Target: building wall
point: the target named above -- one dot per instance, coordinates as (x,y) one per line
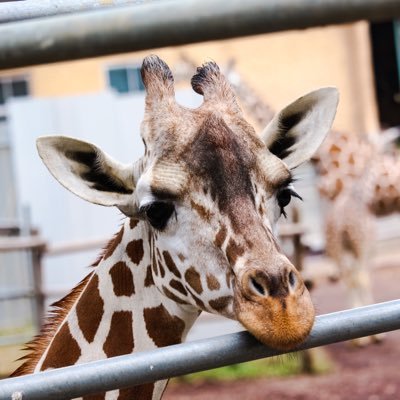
(279,66)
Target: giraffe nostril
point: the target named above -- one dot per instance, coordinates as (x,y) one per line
(257,287)
(292,279)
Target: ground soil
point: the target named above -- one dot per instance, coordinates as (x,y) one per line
(370,373)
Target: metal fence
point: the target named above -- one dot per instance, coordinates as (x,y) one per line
(164,24)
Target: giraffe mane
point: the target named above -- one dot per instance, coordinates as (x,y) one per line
(57,314)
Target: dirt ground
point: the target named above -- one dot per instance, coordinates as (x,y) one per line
(371,373)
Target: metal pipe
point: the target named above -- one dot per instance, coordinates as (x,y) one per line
(170,23)
(28,9)
(130,370)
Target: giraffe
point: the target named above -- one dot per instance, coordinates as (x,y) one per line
(200,207)
(372,190)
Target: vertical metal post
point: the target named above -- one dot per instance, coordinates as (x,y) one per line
(39,298)
(298,249)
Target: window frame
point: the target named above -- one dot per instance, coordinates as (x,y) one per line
(6,82)
(130,80)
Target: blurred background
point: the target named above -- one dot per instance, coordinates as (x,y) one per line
(49,237)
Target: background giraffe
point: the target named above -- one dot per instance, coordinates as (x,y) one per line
(368,188)
(206,185)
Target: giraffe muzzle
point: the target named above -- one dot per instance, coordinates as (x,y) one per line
(275,307)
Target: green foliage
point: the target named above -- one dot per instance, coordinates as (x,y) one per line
(285,365)
(277,366)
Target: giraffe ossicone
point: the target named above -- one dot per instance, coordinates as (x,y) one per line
(201,206)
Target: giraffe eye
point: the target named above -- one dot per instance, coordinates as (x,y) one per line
(158,213)
(284,196)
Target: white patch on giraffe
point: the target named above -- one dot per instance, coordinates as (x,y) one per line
(159,388)
(112,395)
(143,192)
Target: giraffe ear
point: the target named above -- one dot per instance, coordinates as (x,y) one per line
(295,133)
(88,172)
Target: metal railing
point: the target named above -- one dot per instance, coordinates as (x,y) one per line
(171,23)
(150,366)
(29,9)
(37,247)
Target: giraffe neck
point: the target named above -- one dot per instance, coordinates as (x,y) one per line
(120,311)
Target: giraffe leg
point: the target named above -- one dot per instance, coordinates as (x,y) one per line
(358,282)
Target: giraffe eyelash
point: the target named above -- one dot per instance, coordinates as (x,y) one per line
(284,197)
(158,213)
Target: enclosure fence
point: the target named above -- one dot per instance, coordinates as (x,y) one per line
(159,24)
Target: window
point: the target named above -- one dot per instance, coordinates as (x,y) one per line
(13,87)
(385,40)
(125,79)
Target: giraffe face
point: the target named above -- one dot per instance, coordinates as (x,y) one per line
(211,191)
(214,235)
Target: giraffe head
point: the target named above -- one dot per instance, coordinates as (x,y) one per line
(209,191)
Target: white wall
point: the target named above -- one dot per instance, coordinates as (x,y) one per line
(109,120)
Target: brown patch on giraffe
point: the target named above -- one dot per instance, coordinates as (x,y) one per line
(181,257)
(142,392)
(221,236)
(198,301)
(192,277)
(334,149)
(201,211)
(178,286)
(220,303)
(97,396)
(338,185)
(135,251)
(59,311)
(172,296)
(335,163)
(148,281)
(89,309)
(212,282)
(162,327)
(133,223)
(222,160)
(233,251)
(122,279)
(169,262)
(113,244)
(161,268)
(64,350)
(154,262)
(120,337)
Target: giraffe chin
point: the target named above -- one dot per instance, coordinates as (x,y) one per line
(279,323)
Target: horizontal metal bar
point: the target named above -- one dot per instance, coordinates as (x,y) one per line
(130,370)
(63,248)
(16,339)
(22,243)
(28,9)
(16,294)
(171,23)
